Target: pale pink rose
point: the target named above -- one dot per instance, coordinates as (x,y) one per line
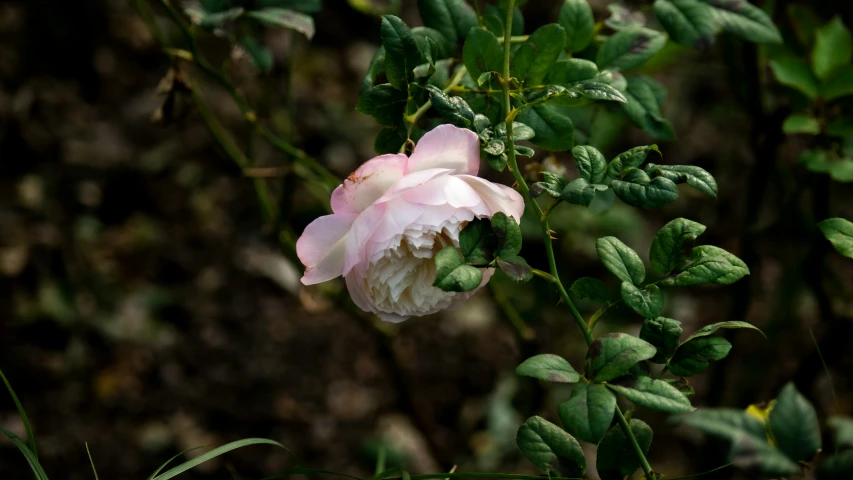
(393,214)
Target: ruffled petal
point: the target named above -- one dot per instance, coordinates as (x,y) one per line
(498,198)
(413,180)
(447,146)
(367,184)
(321,247)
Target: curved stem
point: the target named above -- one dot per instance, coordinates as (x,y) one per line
(512,162)
(413,118)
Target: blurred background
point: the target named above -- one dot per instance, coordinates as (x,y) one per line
(146,306)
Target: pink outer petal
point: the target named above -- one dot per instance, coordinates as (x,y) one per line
(413,180)
(499,198)
(447,146)
(444,190)
(362,230)
(364,186)
(322,246)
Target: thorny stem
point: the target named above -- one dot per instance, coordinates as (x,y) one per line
(546,229)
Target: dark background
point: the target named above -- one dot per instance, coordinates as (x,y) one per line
(146,307)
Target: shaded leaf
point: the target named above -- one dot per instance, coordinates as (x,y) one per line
(508,234)
(709,264)
(552,124)
(653,394)
(629,48)
(758,457)
(795,73)
(402,53)
(516,267)
(550,448)
(453,18)
(389,140)
(591,288)
(643,107)
(839,232)
(647,302)
(639,190)
(548,367)
(477,242)
(724,423)
(836,467)
(801,123)
(694,176)
(688,22)
(613,354)
(572,70)
(695,356)
(833,48)
(714,327)
(454,109)
(282,17)
(482,53)
(664,333)
(534,58)
(616,458)
(621,260)
(577,20)
(843,427)
(793,421)
(589,413)
(599,91)
(839,84)
(384,103)
(744,20)
(451,273)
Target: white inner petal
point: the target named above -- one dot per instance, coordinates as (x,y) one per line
(399,278)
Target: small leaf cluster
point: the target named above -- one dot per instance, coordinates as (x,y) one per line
(617,364)
(243,20)
(823,74)
(651,186)
(483,243)
(781,439)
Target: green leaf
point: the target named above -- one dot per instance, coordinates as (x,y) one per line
(694,176)
(589,413)
(477,242)
(639,190)
(453,18)
(795,73)
(534,58)
(591,163)
(833,48)
(579,192)
(552,124)
(577,20)
(842,170)
(376,67)
(836,467)
(282,17)
(304,6)
(629,48)
(744,20)
(664,333)
(446,47)
(613,354)
(616,457)
(384,103)
(645,99)
(591,288)
(839,232)
(647,302)
(402,53)
(482,53)
(756,456)
(622,17)
(714,327)
(454,109)
(572,70)
(668,250)
(653,394)
(550,448)
(516,267)
(695,356)
(709,264)
(725,423)
(801,123)
(495,147)
(261,57)
(599,91)
(508,235)
(520,131)
(621,260)
(389,140)
(843,427)
(216,452)
(629,158)
(793,421)
(31,458)
(688,22)
(548,367)
(554,184)
(839,84)
(451,273)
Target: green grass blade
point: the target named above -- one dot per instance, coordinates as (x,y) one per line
(91,462)
(28,454)
(174,472)
(23,414)
(173,459)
